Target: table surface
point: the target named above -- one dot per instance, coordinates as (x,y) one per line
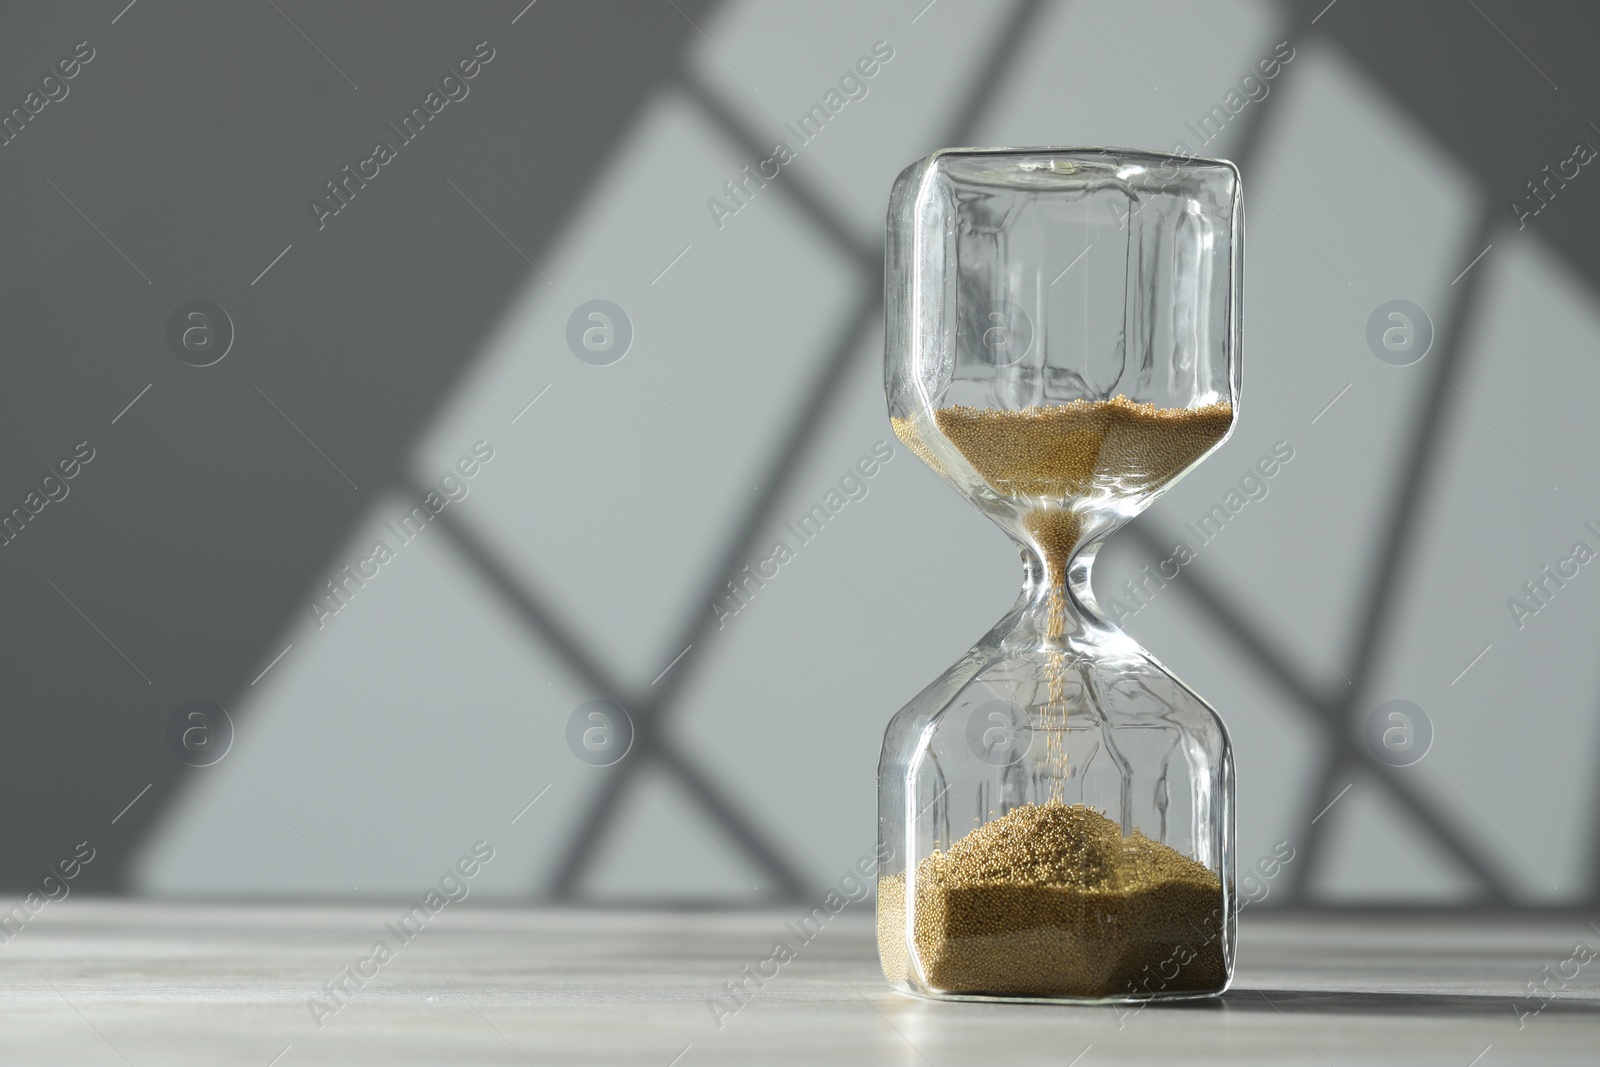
(101,982)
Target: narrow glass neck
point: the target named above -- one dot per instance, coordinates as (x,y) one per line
(1058,601)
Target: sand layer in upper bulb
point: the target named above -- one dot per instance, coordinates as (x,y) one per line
(1067,450)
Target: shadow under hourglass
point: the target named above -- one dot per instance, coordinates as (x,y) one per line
(1409,1003)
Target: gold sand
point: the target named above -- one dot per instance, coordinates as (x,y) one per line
(1067,450)
(1052,900)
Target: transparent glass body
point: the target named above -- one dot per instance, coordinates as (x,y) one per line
(1061,346)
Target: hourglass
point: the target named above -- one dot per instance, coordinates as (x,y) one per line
(1061,346)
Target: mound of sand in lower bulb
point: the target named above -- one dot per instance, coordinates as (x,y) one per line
(1052,900)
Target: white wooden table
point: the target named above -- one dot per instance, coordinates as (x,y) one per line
(92,982)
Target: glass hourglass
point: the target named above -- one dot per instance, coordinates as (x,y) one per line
(1061,346)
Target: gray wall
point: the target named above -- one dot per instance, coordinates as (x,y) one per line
(364,750)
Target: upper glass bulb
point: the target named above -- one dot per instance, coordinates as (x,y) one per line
(1061,324)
